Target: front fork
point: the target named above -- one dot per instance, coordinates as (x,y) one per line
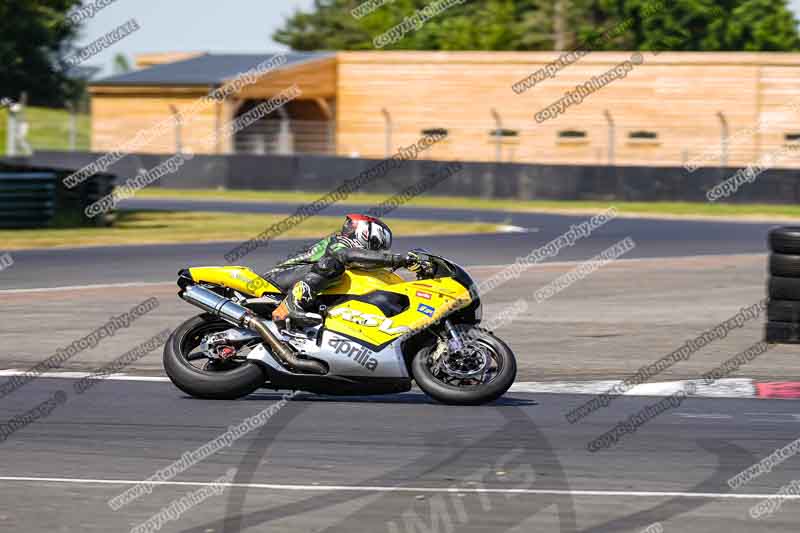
(455,343)
(450,341)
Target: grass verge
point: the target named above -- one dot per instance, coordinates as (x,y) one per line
(49,129)
(677,209)
(159,227)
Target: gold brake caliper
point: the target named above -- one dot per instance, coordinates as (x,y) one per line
(436,355)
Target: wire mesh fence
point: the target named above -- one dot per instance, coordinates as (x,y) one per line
(287,137)
(592,139)
(25,129)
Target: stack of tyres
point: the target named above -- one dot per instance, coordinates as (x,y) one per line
(783,309)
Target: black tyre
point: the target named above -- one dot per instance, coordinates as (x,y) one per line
(784,288)
(506,372)
(212,384)
(785,239)
(784,265)
(782,333)
(783,311)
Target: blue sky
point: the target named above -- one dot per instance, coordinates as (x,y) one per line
(182,25)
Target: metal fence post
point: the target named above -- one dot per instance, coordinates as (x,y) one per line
(11,131)
(331,138)
(23,126)
(612,139)
(285,141)
(73,126)
(388,131)
(178,129)
(724,140)
(498,136)
(611,136)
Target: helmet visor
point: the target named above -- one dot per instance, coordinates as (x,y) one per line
(380,238)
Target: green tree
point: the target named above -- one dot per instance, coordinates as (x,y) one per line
(761,25)
(328,26)
(34,36)
(703,25)
(120,64)
(474,25)
(706,25)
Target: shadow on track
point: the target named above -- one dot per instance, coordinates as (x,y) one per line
(445,453)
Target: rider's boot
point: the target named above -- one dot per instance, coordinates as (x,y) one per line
(296,307)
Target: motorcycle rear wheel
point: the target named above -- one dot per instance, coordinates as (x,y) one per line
(469,394)
(203,383)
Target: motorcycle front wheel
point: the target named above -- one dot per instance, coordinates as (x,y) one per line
(195,374)
(445,381)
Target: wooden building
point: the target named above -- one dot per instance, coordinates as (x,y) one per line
(670,109)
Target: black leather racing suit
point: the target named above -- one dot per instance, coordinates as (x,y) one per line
(314,269)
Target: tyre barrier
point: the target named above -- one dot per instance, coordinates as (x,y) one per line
(36,197)
(783,286)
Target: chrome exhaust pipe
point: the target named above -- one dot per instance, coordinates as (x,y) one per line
(211,302)
(239,316)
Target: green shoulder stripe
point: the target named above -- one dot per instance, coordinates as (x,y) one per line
(319,249)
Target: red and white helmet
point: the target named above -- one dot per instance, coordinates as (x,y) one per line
(368,232)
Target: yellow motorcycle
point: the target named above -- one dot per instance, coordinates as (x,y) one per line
(377,333)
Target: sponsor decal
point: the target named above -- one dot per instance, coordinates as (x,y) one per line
(356,352)
(235,274)
(423,294)
(426,310)
(384,325)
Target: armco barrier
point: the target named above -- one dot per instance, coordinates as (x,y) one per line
(487,180)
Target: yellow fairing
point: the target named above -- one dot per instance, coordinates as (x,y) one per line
(240,279)
(364,321)
(359,282)
(429,300)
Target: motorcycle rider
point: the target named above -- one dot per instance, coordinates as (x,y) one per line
(362,243)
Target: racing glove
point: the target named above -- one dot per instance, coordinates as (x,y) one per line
(416,264)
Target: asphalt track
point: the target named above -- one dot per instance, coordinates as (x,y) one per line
(397,463)
(654,238)
(379,464)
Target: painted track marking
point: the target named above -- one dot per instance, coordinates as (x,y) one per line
(378,488)
(729,388)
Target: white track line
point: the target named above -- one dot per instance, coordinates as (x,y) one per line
(510,228)
(723,388)
(378,488)
(80,375)
(87,287)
